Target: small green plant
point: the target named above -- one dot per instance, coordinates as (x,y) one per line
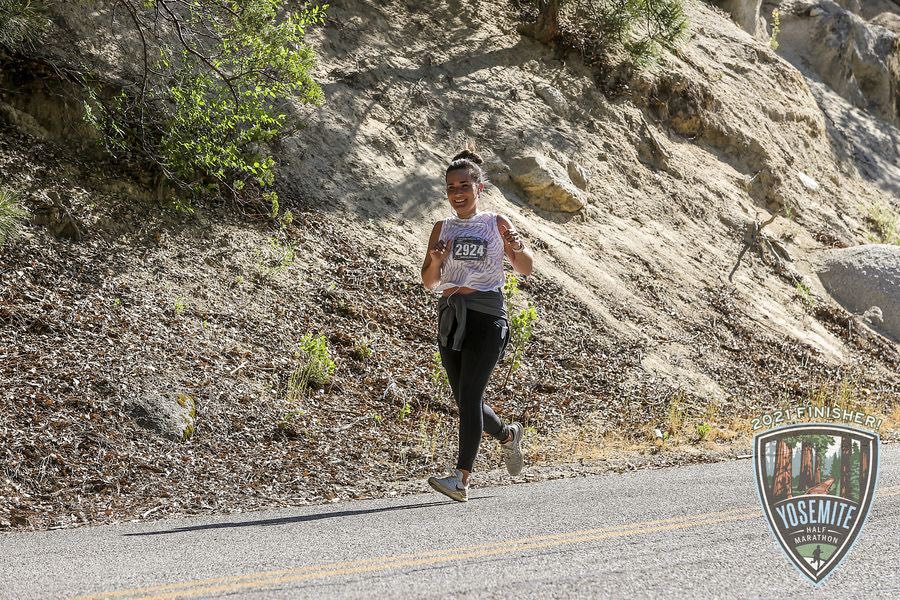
(776,27)
(315,367)
(521,324)
(787,209)
(12,214)
(703,430)
(362,350)
(885,223)
(189,417)
(674,415)
(404,411)
(805,294)
(180,305)
(378,418)
(117,303)
(276,257)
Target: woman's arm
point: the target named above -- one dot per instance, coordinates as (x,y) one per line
(434,257)
(519,255)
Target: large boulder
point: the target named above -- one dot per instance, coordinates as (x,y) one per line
(856,59)
(862,277)
(546,184)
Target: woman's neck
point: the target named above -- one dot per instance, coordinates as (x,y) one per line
(474,212)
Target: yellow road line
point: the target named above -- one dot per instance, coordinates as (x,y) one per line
(411,559)
(189,589)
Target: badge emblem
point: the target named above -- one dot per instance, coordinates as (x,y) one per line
(816,482)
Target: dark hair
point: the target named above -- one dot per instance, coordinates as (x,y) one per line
(469,160)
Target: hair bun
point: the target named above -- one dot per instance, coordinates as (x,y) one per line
(469,155)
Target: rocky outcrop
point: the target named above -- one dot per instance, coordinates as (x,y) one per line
(861,62)
(746,13)
(546,184)
(863,277)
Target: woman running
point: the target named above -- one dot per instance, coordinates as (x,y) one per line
(464,263)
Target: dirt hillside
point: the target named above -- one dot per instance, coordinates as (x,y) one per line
(145,353)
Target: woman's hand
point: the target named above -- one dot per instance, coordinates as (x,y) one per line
(441,250)
(512,240)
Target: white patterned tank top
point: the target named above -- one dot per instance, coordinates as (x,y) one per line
(476,259)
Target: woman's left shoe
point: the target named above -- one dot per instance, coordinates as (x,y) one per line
(451,486)
(512,450)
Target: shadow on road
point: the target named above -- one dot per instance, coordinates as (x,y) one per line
(299,519)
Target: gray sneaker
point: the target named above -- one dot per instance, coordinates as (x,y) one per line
(512,450)
(451,486)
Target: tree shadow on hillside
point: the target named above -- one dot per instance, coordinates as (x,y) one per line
(351,98)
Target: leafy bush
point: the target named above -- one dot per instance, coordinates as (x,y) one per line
(11,214)
(315,365)
(521,322)
(213,88)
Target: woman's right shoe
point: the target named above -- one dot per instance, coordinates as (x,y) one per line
(512,450)
(451,486)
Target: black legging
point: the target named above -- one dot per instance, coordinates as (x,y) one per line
(469,370)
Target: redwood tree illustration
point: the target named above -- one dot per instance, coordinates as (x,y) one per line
(784,454)
(846,450)
(820,445)
(863,467)
(807,479)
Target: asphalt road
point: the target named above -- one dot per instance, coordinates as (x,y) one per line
(686,532)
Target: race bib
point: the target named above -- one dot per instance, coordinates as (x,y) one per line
(469,248)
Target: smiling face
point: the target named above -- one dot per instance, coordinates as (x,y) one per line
(462,192)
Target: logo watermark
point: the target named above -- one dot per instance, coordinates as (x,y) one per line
(816,482)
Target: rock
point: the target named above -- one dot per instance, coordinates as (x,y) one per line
(807,181)
(171,417)
(22,121)
(546,184)
(554,99)
(863,277)
(859,61)
(746,13)
(890,21)
(578,175)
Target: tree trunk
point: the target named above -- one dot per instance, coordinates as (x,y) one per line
(806,466)
(781,486)
(846,452)
(547,27)
(817,475)
(863,467)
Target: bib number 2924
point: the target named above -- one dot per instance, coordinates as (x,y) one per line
(467,248)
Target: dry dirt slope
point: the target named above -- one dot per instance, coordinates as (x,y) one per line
(714,138)
(638,328)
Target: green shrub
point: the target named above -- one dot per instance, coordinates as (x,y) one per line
(703,430)
(210,98)
(521,322)
(776,27)
(314,366)
(12,214)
